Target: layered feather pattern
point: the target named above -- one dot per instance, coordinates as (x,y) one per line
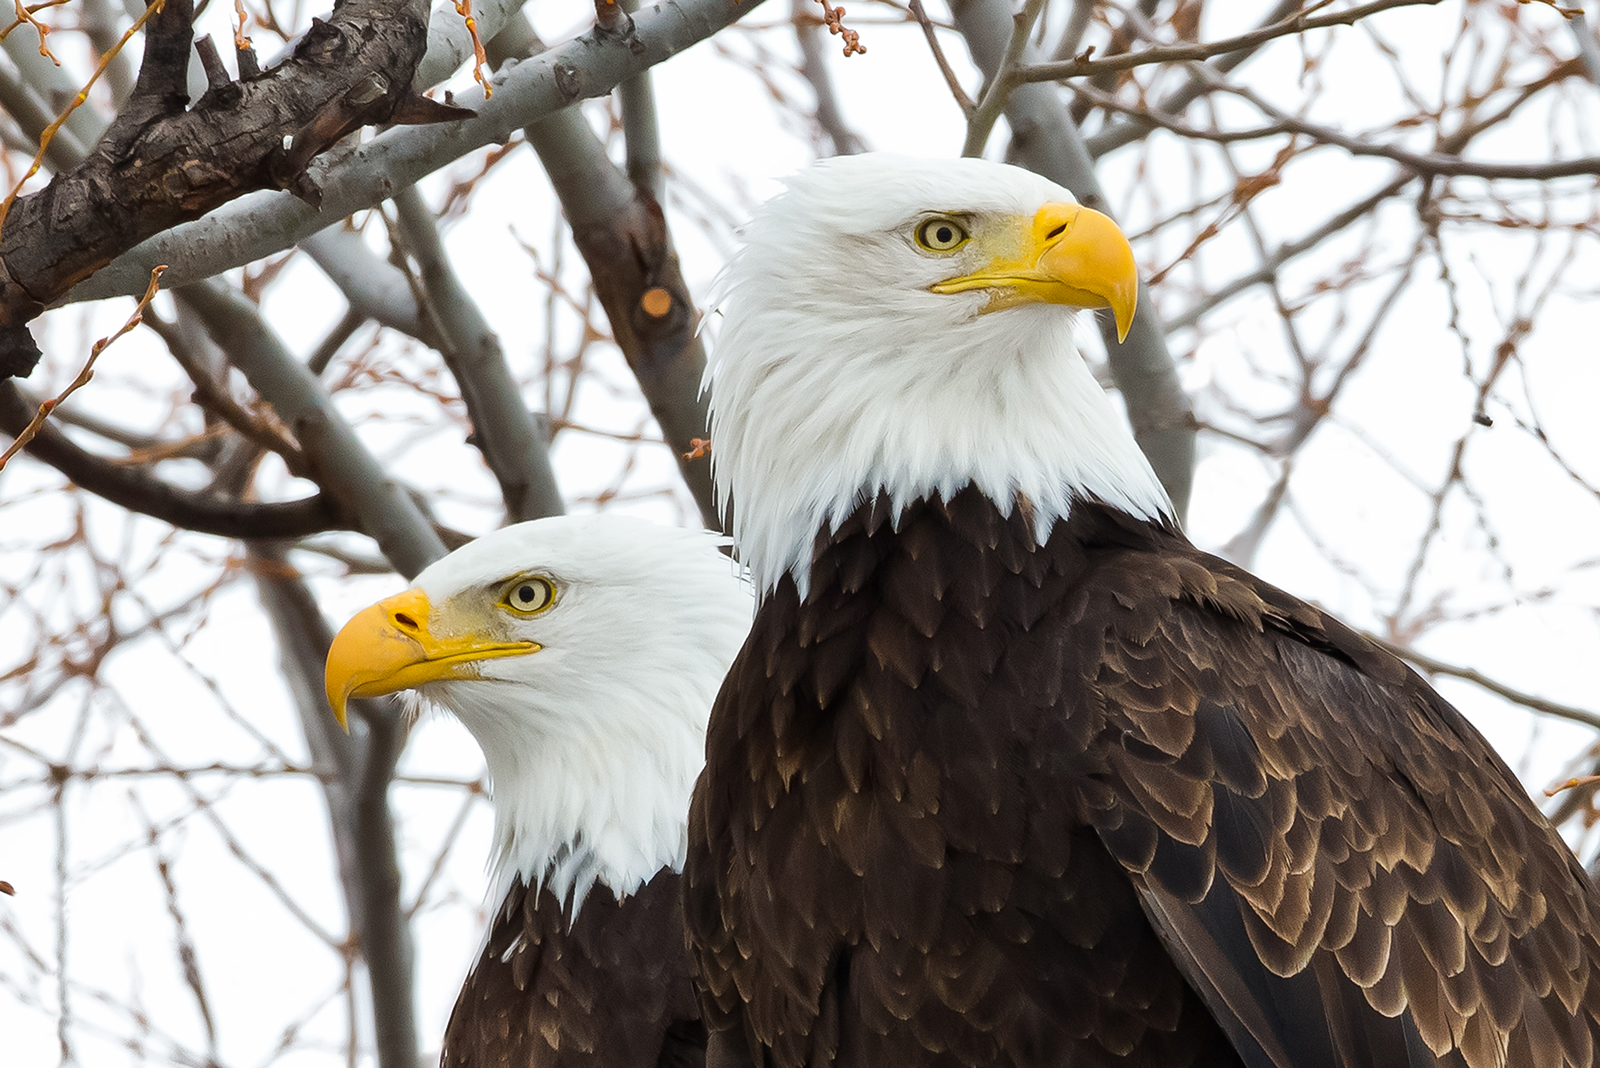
(609,990)
(1109,800)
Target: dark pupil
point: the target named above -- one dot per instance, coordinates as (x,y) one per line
(525,594)
(943,235)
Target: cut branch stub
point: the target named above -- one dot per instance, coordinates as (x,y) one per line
(160,164)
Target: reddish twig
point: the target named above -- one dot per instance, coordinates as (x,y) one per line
(833,18)
(88,370)
(480,58)
(25,15)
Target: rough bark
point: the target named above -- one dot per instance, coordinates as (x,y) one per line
(162,163)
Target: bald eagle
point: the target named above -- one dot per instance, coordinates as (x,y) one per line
(583,654)
(1009,772)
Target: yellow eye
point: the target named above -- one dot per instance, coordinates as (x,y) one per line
(941,234)
(529,595)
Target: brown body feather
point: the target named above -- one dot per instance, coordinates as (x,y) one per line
(611,989)
(1111,800)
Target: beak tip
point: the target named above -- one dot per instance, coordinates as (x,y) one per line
(1123,326)
(338,698)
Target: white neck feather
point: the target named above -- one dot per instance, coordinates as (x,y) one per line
(599,798)
(812,416)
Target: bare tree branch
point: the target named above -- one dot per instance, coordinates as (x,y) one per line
(375,289)
(814,66)
(356,792)
(963,101)
(449,41)
(515,448)
(1117,134)
(138,491)
(1588,48)
(260,224)
(981,120)
(1295,26)
(641,133)
(21,101)
(1045,139)
(338,460)
(160,163)
(1538,704)
(623,237)
(52,85)
(1427,164)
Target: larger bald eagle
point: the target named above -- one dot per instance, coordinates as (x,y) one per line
(583,654)
(1008,772)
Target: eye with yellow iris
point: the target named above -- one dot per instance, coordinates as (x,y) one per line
(941,234)
(529,596)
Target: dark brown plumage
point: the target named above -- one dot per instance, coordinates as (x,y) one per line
(609,990)
(1111,800)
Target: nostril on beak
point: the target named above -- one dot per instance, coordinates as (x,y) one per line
(1057,232)
(405,622)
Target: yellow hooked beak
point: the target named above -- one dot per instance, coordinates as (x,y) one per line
(1066,254)
(389,647)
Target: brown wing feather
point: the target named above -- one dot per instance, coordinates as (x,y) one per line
(1324,821)
(886,867)
(1110,800)
(609,990)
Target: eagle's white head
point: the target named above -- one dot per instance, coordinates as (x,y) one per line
(905,327)
(583,653)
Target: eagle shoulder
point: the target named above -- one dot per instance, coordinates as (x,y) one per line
(1336,858)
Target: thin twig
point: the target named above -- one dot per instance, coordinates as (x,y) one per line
(87,373)
(1291,27)
(981,120)
(479,59)
(962,99)
(25,13)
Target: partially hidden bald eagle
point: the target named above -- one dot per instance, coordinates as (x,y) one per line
(1010,773)
(583,654)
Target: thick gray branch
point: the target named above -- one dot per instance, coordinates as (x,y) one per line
(623,238)
(1045,139)
(513,445)
(640,129)
(377,290)
(449,43)
(260,224)
(341,465)
(355,771)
